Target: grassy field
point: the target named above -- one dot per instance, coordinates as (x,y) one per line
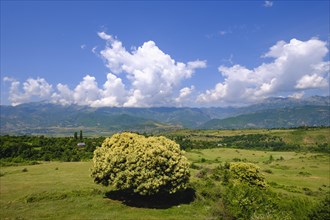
(59,190)
(64,190)
(303,136)
(291,171)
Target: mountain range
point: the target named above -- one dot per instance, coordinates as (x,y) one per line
(47,118)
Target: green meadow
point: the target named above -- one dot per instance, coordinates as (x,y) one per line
(301,136)
(65,190)
(300,171)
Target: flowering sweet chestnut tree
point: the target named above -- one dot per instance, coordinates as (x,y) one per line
(146,166)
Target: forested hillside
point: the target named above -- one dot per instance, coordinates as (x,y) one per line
(51,119)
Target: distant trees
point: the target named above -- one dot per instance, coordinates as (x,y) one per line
(245,141)
(18,148)
(141,165)
(80,135)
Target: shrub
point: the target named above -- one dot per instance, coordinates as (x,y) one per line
(194,166)
(243,200)
(268,171)
(247,173)
(322,210)
(141,165)
(304,173)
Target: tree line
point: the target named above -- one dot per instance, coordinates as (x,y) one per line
(244,141)
(17,148)
(47,148)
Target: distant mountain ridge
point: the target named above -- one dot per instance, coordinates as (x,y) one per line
(275,118)
(41,117)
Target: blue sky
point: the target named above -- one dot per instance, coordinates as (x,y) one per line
(176,53)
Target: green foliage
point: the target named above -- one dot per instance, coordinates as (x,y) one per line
(243,201)
(258,139)
(247,173)
(20,149)
(141,165)
(304,173)
(229,198)
(268,171)
(244,141)
(322,210)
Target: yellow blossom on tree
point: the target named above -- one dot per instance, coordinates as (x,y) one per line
(129,161)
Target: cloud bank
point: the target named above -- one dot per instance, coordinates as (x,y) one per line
(146,77)
(31,88)
(153,79)
(297,66)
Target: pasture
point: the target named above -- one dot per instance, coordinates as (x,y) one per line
(65,190)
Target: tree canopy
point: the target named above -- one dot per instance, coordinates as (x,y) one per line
(146,166)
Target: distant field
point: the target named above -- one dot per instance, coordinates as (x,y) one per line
(302,136)
(64,190)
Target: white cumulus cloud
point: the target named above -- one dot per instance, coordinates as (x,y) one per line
(112,94)
(31,88)
(152,78)
(153,75)
(297,65)
(311,82)
(87,92)
(64,95)
(297,95)
(145,76)
(185,95)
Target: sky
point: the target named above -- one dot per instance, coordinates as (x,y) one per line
(163,53)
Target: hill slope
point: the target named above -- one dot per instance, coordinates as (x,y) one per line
(43,118)
(46,118)
(275,118)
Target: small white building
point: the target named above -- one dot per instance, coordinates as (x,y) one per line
(81,144)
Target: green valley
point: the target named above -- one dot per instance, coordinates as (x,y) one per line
(297,180)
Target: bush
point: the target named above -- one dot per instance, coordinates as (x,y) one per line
(322,210)
(304,174)
(268,171)
(247,173)
(141,165)
(243,201)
